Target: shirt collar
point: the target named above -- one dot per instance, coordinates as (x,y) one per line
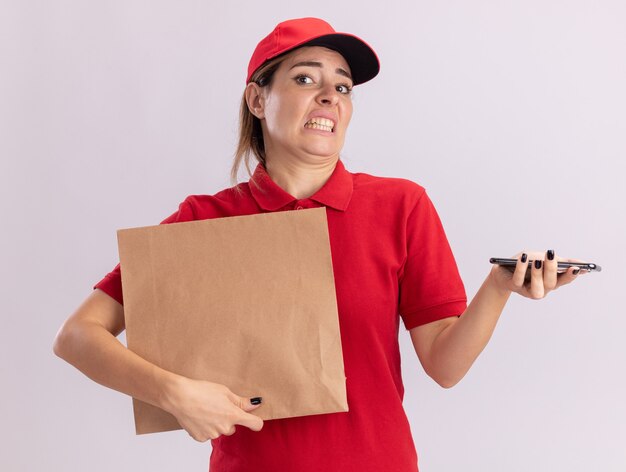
(335,193)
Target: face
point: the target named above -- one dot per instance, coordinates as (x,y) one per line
(306,109)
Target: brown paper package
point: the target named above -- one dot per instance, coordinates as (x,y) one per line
(245,301)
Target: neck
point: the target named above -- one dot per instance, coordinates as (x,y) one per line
(299,179)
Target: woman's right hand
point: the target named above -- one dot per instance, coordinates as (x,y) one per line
(87,340)
(207,410)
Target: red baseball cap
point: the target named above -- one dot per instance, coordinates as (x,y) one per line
(292,34)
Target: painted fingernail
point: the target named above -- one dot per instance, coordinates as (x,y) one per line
(576,271)
(256,400)
(524,257)
(550,254)
(538,264)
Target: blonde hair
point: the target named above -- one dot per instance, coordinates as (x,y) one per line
(250,141)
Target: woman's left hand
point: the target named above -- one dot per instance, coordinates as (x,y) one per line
(543,279)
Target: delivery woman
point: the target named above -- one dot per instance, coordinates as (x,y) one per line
(391,261)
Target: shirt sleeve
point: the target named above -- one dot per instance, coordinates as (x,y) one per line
(111,284)
(430,285)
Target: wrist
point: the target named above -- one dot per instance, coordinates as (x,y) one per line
(171,384)
(495,283)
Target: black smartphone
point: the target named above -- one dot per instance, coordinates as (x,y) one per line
(561,266)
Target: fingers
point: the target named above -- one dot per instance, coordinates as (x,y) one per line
(550,266)
(209,410)
(249,404)
(569,276)
(536,290)
(543,276)
(582,271)
(519,275)
(250,421)
(235,415)
(245,405)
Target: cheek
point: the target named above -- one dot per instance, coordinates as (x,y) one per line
(278,114)
(347,114)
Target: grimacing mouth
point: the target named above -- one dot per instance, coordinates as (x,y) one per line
(320,123)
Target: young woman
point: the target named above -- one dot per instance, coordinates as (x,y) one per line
(391,262)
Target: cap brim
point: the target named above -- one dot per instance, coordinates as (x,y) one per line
(361,58)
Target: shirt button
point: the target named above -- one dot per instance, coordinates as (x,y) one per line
(299,207)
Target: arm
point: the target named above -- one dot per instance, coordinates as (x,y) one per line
(87,340)
(447,348)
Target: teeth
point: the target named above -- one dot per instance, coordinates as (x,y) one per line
(320,123)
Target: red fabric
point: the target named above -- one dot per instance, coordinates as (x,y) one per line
(291,34)
(391,261)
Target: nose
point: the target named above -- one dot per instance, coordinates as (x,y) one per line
(328,95)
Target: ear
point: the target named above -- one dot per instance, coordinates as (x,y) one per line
(255,98)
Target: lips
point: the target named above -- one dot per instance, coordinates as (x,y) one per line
(318,122)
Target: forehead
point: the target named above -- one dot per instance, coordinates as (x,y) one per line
(327,57)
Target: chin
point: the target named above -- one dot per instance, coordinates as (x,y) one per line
(323,153)
(323,150)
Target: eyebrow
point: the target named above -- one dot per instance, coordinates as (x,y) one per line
(338,70)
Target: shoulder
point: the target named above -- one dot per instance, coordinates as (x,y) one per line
(227,202)
(394,189)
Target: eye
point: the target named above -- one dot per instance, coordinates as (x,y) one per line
(303,79)
(344,89)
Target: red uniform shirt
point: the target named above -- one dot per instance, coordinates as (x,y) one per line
(391,260)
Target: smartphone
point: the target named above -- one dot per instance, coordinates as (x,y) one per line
(561,266)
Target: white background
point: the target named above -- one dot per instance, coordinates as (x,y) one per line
(510,113)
